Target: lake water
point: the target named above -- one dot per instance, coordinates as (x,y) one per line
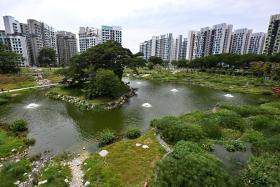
(58,126)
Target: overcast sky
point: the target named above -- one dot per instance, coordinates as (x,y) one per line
(141,19)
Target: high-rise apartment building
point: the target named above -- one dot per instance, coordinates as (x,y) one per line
(272,43)
(66,46)
(89,37)
(15,39)
(179,48)
(111,33)
(12,26)
(40,36)
(240,41)
(160,46)
(220,38)
(204,39)
(256,43)
(193,38)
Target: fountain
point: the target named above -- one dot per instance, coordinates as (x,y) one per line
(32,105)
(147,105)
(228,95)
(174,90)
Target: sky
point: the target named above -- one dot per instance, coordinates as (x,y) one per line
(142,19)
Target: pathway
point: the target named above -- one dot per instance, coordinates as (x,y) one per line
(27,88)
(166,147)
(76,169)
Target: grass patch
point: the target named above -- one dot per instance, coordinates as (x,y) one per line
(14,81)
(14,171)
(8,143)
(52,74)
(130,165)
(55,173)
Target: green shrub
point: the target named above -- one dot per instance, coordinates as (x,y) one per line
(260,122)
(105,84)
(229,119)
(18,125)
(189,166)
(234,145)
(229,134)
(30,141)
(133,133)
(252,136)
(271,145)
(182,148)
(106,137)
(263,171)
(213,131)
(3,100)
(174,129)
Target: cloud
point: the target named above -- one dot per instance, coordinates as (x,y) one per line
(142,19)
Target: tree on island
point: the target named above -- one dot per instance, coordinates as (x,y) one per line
(47,57)
(89,69)
(8,60)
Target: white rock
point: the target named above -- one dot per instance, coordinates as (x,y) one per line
(103,153)
(138,144)
(146,105)
(84,148)
(87,183)
(174,90)
(42,182)
(17,160)
(66,180)
(145,146)
(228,95)
(85,164)
(14,150)
(17,182)
(1,165)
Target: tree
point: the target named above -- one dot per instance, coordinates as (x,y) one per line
(155,60)
(105,84)
(47,57)
(109,55)
(8,60)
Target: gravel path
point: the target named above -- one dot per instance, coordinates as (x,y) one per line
(76,169)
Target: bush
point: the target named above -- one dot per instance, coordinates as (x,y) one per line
(174,129)
(235,145)
(182,148)
(189,165)
(252,136)
(229,119)
(133,133)
(18,125)
(271,145)
(263,171)
(106,137)
(260,122)
(3,100)
(213,131)
(105,84)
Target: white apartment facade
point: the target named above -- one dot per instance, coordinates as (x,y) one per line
(240,41)
(111,33)
(272,42)
(89,37)
(256,43)
(15,39)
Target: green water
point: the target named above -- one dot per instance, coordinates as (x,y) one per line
(59,126)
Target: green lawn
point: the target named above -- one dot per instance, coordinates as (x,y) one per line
(126,164)
(52,74)
(20,80)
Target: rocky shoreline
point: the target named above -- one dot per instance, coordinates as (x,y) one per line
(83,104)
